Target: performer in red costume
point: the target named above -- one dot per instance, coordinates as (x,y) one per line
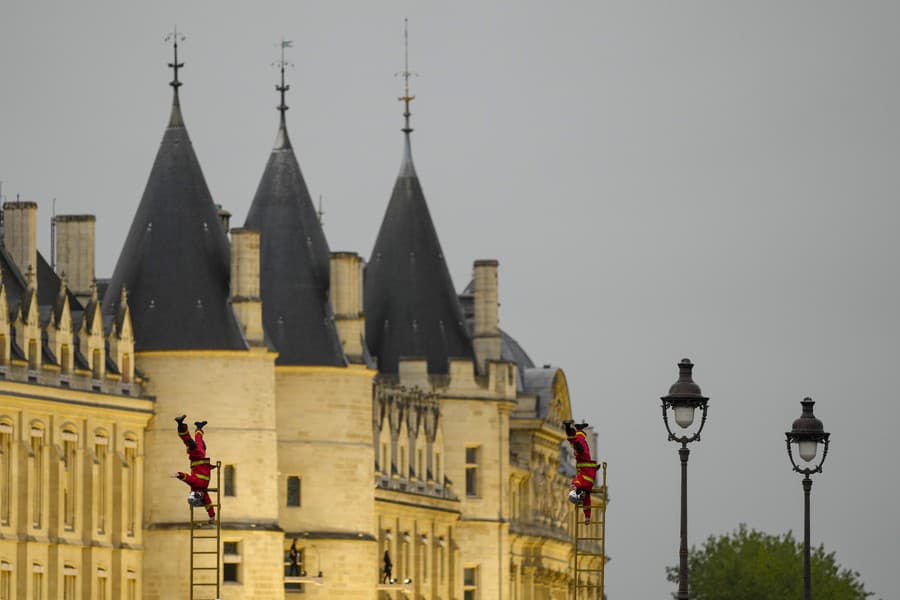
(583,483)
(198,478)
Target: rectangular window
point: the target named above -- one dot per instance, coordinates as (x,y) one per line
(70,483)
(470,583)
(6,479)
(32,355)
(64,359)
(293,491)
(97,364)
(420,469)
(472,456)
(437,468)
(228,486)
(384,459)
(404,472)
(37,477)
(231,562)
(101,587)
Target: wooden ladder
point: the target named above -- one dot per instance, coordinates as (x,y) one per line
(590,544)
(202,550)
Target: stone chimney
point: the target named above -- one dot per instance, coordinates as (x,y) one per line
(75,252)
(346,301)
(224,218)
(245,283)
(486,332)
(20,233)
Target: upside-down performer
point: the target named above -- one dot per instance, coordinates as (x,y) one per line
(583,483)
(198,478)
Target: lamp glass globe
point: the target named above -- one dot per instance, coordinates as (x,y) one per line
(684,416)
(807,449)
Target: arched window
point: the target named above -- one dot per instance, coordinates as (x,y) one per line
(37,581)
(102,584)
(132,585)
(5,581)
(3,357)
(70,574)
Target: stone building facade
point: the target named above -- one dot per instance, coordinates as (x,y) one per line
(362,408)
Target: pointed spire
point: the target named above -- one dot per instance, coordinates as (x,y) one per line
(406,166)
(294,267)
(282,141)
(175,118)
(123,299)
(63,284)
(94,296)
(411,305)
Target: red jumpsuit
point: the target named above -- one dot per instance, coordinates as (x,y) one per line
(198,478)
(587,469)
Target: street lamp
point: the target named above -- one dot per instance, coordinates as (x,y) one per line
(807,432)
(684,399)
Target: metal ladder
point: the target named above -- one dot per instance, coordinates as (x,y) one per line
(201,538)
(592,535)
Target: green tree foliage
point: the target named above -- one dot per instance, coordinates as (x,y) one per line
(751,565)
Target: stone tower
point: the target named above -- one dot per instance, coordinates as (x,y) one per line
(323,399)
(442,420)
(191,348)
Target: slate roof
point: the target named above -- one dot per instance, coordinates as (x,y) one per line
(13,281)
(411,306)
(48,287)
(510,349)
(540,383)
(175,261)
(294,263)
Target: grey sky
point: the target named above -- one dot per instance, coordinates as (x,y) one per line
(715,180)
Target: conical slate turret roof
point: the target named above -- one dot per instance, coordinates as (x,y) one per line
(175,261)
(411,307)
(294,263)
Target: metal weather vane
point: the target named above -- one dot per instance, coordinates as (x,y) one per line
(282,63)
(176,37)
(406,98)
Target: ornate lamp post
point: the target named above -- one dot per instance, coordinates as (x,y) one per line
(807,432)
(684,398)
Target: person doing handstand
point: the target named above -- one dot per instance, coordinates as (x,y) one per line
(198,478)
(583,483)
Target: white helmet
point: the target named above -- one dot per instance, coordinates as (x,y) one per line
(576,497)
(195,499)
